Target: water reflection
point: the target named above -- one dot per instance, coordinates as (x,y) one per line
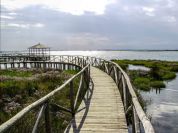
(163,107)
(168,123)
(157,55)
(134,67)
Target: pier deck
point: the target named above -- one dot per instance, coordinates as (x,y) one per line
(102,110)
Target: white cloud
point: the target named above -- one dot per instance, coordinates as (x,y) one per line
(87,40)
(75,7)
(12,13)
(25,26)
(149,11)
(18,25)
(170,19)
(39,25)
(6,17)
(171,3)
(125,8)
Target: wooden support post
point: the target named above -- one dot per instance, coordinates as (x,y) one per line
(47,118)
(63,66)
(72,98)
(115,74)
(38,119)
(124,93)
(133,121)
(136,121)
(75,60)
(78,92)
(68,67)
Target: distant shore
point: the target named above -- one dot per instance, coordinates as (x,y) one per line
(141,50)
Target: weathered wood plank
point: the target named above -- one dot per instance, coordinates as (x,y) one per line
(104,111)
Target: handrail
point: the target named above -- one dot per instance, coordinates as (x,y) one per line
(136,109)
(141,114)
(129,97)
(44,100)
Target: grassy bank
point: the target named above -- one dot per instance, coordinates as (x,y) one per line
(160,71)
(19,88)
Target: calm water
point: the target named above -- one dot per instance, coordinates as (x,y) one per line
(163,104)
(163,107)
(159,55)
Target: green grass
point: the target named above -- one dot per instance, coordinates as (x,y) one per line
(71,71)
(16,73)
(157,84)
(43,85)
(142,83)
(159,71)
(168,75)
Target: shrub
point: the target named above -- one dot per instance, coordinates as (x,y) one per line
(157,84)
(142,83)
(174,68)
(168,75)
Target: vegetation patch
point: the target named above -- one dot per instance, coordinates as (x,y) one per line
(157,84)
(142,83)
(17,90)
(15,72)
(160,71)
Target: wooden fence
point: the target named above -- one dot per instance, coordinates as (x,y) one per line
(139,120)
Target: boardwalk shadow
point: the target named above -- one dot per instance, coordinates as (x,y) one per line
(87,99)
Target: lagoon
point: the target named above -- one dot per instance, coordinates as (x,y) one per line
(151,55)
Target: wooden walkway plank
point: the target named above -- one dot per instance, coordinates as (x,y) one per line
(102,109)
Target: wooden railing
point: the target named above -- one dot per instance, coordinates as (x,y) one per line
(45,102)
(133,109)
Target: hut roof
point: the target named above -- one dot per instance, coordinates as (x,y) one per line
(40,46)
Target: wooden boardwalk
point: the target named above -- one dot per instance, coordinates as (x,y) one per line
(102,109)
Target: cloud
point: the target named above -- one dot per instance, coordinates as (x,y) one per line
(121,24)
(39,25)
(170,19)
(6,17)
(25,26)
(75,7)
(87,40)
(12,13)
(149,11)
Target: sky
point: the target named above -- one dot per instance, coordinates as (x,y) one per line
(89,24)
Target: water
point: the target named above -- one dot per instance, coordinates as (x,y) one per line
(158,55)
(163,104)
(163,107)
(134,67)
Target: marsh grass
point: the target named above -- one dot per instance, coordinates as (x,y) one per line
(30,91)
(16,73)
(160,71)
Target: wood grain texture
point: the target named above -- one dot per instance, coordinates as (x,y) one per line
(102,109)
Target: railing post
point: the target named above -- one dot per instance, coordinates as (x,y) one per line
(88,76)
(115,74)
(89,67)
(72,98)
(124,93)
(38,119)
(47,118)
(135,121)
